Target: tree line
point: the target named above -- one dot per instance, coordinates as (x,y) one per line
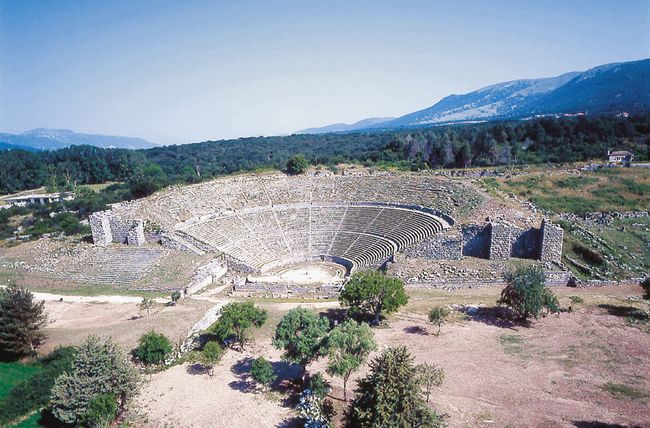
(542,140)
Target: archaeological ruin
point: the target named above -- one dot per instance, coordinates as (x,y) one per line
(314,230)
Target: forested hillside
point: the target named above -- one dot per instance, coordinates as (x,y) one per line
(542,140)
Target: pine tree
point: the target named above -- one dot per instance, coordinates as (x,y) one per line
(100,367)
(21,319)
(391,396)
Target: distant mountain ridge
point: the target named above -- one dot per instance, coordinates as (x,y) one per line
(345,127)
(609,88)
(54,139)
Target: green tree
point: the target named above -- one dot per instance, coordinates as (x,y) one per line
(99,367)
(101,411)
(438,316)
(153,348)
(318,385)
(146,304)
(21,321)
(525,292)
(348,347)
(430,376)
(297,164)
(175,296)
(373,292)
(209,356)
(300,333)
(646,288)
(390,395)
(236,320)
(262,371)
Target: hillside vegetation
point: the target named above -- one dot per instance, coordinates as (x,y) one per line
(546,140)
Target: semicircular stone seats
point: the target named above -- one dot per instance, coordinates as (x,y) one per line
(273,235)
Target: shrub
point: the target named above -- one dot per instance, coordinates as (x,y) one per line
(297,164)
(262,371)
(525,292)
(318,385)
(438,316)
(208,357)
(101,411)
(153,348)
(430,375)
(576,299)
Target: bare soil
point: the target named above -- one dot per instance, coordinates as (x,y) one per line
(568,370)
(72,320)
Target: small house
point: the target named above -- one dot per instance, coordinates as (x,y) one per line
(620,157)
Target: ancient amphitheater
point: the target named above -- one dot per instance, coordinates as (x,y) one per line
(317,228)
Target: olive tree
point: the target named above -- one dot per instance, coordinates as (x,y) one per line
(236,320)
(300,333)
(438,316)
(526,294)
(430,376)
(348,347)
(373,292)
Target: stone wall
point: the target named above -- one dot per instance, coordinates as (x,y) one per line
(100,228)
(106,229)
(206,275)
(274,290)
(135,236)
(500,241)
(551,242)
(445,246)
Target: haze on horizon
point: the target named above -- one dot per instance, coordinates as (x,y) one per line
(177,72)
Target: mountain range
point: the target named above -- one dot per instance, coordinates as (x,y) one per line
(606,89)
(53,139)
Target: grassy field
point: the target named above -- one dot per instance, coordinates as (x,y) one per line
(614,189)
(14,373)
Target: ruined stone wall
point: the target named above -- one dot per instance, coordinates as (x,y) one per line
(500,241)
(446,246)
(476,240)
(106,228)
(135,236)
(275,290)
(100,228)
(551,242)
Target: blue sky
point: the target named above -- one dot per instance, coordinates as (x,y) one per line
(185,71)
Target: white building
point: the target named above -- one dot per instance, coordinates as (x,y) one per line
(620,156)
(39,198)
